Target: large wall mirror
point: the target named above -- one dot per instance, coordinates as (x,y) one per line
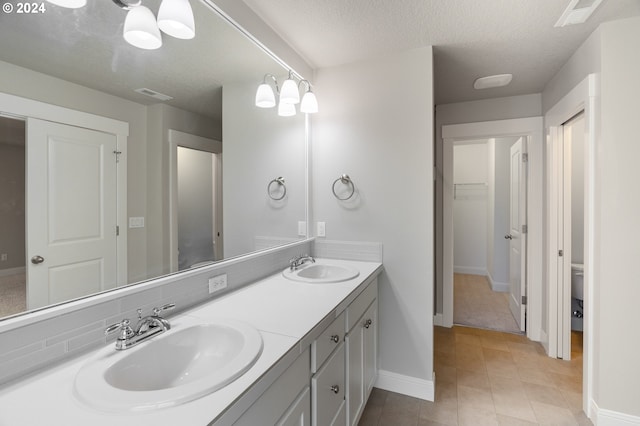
(195,177)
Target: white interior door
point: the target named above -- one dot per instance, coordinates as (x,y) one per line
(71,212)
(517,234)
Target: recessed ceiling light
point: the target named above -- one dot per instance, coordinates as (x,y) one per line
(488,82)
(577,12)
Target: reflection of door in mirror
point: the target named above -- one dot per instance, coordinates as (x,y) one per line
(196,200)
(72,215)
(13,297)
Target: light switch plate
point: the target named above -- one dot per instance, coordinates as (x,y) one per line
(321,232)
(136,222)
(302,228)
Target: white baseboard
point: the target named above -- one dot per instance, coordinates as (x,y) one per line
(12,271)
(544,341)
(605,417)
(406,385)
(438,319)
(498,286)
(471,270)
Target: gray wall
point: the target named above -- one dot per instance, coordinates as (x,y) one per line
(380,132)
(12,203)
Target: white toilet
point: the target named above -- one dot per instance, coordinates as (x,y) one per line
(577,295)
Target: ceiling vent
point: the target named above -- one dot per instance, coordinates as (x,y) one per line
(577,12)
(154,94)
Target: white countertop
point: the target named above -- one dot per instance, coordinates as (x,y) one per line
(284,312)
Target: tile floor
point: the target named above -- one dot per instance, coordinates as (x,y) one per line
(476,305)
(486,377)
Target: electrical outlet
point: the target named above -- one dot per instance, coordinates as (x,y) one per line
(217,283)
(3,257)
(321,229)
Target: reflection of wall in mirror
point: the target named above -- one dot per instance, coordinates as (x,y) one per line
(147,153)
(277,148)
(12,205)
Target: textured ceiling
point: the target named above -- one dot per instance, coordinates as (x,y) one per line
(85,46)
(471,38)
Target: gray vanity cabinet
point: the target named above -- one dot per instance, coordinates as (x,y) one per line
(361,342)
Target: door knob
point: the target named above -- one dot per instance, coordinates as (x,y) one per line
(37,259)
(508,237)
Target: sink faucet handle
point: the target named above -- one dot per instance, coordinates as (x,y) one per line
(156,311)
(124,326)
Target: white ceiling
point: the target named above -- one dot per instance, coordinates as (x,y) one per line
(471,38)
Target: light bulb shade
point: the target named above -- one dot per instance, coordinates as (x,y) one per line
(141,29)
(309,104)
(71,4)
(289,93)
(286,110)
(175,17)
(265,97)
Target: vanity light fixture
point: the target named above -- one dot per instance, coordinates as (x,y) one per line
(288,97)
(71,4)
(289,93)
(142,29)
(175,17)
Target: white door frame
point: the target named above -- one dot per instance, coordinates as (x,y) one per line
(21,108)
(531,128)
(583,97)
(187,140)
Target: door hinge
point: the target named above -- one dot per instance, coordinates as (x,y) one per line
(525,229)
(524,300)
(117,231)
(117,153)
(560,253)
(525,157)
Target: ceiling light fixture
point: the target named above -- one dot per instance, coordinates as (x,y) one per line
(577,12)
(142,29)
(288,97)
(488,82)
(71,4)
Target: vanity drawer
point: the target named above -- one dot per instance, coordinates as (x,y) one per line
(327,387)
(324,344)
(357,307)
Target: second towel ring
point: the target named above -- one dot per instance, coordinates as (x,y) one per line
(280,181)
(346,180)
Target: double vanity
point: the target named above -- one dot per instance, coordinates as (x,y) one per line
(296,348)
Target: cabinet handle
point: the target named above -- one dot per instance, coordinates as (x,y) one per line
(368,323)
(335,338)
(335,388)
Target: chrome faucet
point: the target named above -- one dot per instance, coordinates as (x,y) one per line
(298,261)
(146,327)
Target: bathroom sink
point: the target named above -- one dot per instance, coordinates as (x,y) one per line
(174,368)
(321,273)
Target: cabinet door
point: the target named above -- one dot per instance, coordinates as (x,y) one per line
(299,414)
(370,348)
(327,388)
(355,372)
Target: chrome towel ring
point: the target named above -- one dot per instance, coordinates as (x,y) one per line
(345,180)
(280,181)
